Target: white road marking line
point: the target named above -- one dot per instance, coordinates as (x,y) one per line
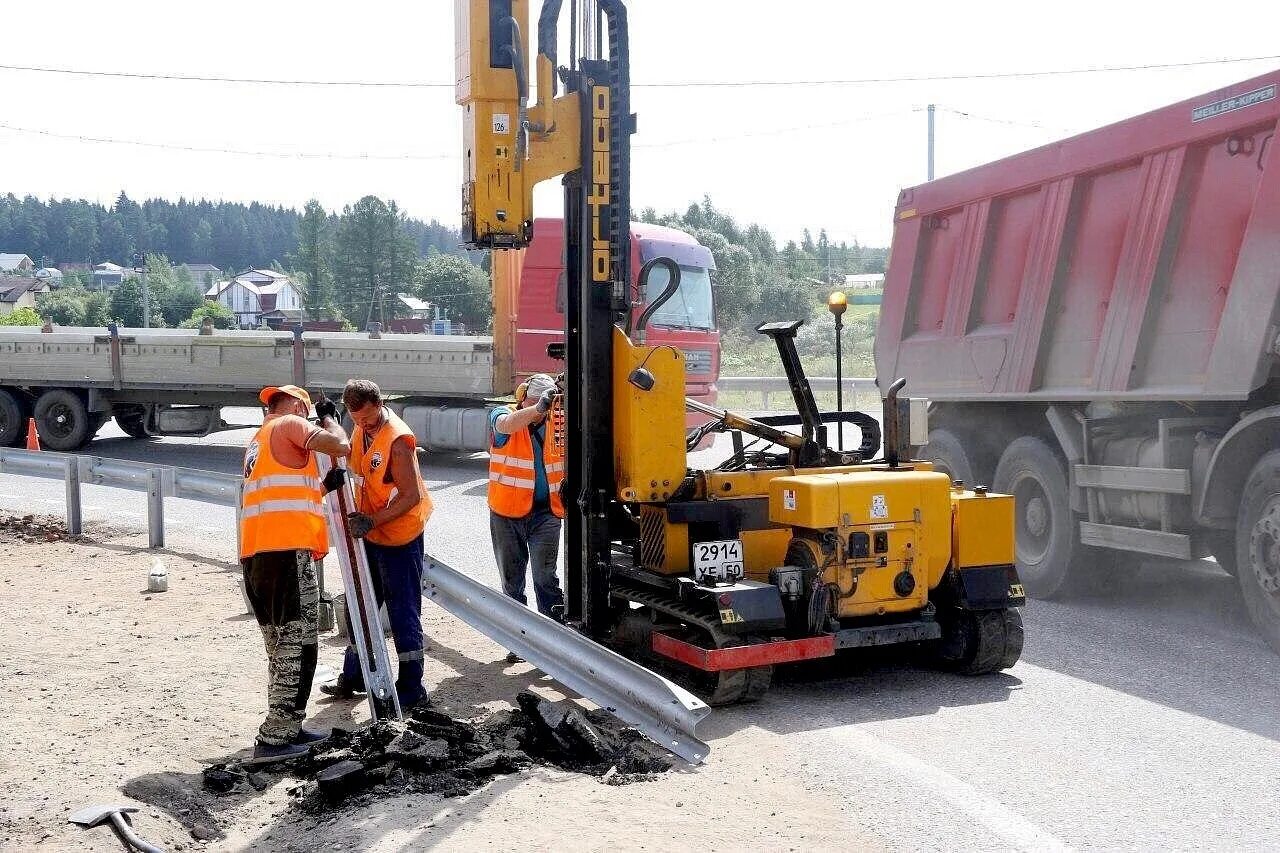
(1001,820)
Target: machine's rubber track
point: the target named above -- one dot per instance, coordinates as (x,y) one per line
(727,687)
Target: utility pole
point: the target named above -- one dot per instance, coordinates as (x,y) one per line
(932,109)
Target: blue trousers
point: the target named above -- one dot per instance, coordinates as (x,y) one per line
(396,572)
(524,543)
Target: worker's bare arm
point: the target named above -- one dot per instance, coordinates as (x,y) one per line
(518,420)
(332,439)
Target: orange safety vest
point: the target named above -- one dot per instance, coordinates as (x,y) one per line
(282,508)
(512,473)
(371,470)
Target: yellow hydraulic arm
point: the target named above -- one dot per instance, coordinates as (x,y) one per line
(508,145)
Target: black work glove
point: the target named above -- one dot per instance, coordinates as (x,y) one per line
(360,524)
(327,409)
(335,479)
(544,402)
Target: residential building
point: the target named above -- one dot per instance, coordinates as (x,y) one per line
(50,274)
(107,276)
(19,291)
(15,263)
(865,280)
(203,275)
(418,309)
(254,293)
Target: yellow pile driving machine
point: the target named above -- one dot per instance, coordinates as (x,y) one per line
(788,550)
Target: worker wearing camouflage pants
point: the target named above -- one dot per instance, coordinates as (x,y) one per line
(282,532)
(281,587)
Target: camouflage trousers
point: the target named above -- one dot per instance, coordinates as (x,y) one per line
(281,587)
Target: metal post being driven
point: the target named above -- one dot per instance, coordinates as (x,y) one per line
(75,521)
(362,606)
(155,508)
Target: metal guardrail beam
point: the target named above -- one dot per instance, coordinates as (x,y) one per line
(767,386)
(665,712)
(158,481)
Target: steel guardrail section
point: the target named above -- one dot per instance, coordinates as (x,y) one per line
(665,712)
(780,384)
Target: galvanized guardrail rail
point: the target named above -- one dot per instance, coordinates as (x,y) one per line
(663,711)
(767,386)
(158,481)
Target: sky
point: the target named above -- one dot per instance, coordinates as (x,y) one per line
(788,157)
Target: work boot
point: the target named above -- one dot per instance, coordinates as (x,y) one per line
(309,736)
(340,689)
(284,750)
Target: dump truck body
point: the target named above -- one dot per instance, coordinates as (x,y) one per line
(1096,322)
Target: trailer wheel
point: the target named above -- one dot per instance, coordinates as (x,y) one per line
(1258,546)
(977,642)
(13,418)
(63,420)
(132,422)
(1045,542)
(948,455)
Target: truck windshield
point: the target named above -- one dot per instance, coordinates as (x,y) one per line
(690,307)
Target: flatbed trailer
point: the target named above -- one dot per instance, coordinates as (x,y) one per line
(175,381)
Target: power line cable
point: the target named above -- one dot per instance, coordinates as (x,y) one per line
(199,149)
(669,84)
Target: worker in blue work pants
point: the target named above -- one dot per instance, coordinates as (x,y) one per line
(392,507)
(526,471)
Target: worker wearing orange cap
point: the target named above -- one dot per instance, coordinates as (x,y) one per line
(282,531)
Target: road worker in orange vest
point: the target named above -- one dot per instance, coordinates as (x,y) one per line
(282,531)
(392,507)
(525,506)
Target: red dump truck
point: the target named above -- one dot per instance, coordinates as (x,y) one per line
(1097,325)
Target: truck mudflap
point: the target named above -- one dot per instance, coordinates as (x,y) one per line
(743,657)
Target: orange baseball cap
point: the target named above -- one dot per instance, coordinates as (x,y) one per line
(292,390)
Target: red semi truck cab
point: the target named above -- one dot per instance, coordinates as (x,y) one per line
(686,321)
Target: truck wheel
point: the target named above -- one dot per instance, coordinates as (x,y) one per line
(13,418)
(948,455)
(1222,546)
(63,420)
(976,642)
(1258,546)
(1045,542)
(132,423)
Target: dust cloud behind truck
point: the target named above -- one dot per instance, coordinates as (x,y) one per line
(1096,322)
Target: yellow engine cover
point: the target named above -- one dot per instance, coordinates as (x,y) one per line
(885,524)
(982,530)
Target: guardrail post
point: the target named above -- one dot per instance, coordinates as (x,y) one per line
(239,510)
(764,399)
(75,521)
(155,508)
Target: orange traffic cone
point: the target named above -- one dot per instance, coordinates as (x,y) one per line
(33,437)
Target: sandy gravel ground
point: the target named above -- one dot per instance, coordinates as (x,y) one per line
(107,687)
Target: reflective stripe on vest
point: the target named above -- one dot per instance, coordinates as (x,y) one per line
(512,478)
(374,488)
(279,480)
(282,508)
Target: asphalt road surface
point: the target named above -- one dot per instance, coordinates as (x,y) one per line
(1147,718)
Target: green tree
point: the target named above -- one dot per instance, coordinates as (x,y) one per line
(459,286)
(126,304)
(66,306)
(172,289)
(21,317)
(312,260)
(217,312)
(374,259)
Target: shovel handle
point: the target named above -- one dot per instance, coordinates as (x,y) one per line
(122,825)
